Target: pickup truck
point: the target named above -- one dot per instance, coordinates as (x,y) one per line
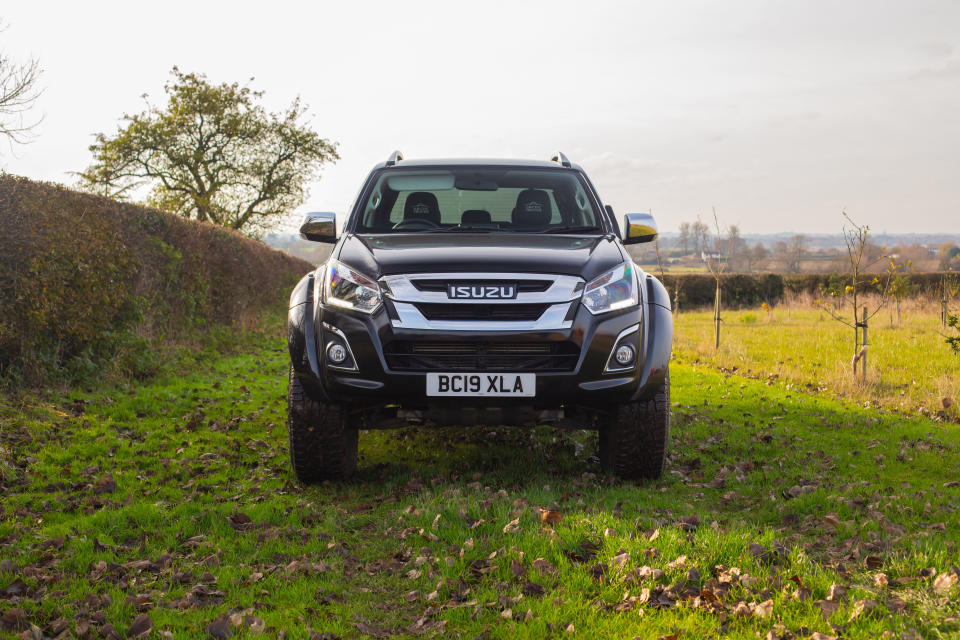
(479,292)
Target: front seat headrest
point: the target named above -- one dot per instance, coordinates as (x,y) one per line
(475,216)
(422,205)
(533,209)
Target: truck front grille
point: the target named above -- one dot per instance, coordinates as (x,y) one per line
(439,284)
(405,355)
(461,311)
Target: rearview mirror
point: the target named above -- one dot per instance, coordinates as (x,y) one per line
(319,227)
(639,227)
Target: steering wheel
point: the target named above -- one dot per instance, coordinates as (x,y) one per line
(416,223)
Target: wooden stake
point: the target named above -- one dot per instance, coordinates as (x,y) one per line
(716,317)
(943,301)
(863,371)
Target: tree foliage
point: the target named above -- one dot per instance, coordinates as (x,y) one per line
(954,341)
(19,90)
(212,153)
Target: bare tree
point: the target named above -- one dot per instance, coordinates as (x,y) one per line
(19,90)
(685,237)
(736,247)
(901,284)
(856,238)
(716,263)
(796,250)
(701,235)
(757,253)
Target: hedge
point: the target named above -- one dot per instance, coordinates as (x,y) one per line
(81,275)
(749,290)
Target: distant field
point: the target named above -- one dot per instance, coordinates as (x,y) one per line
(910,367)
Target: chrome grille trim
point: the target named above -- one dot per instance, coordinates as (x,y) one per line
(411,318)
(400,288)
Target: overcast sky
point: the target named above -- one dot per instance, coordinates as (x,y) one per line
(777,113)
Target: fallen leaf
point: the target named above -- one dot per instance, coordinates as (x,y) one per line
(827,608)
(240,521)
(14,620)
(872,562)
(370,630)
(896,605)
(689,523)
(881,581)
(944,582)
(763,609)
(141,627)
(544,566)
(861,607)
(550,518)
(513,526)
(836,592)
(220,628)
(106,484)
(620,560)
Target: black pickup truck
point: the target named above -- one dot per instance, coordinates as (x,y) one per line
(492,292)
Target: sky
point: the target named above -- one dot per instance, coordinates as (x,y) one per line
(779,114)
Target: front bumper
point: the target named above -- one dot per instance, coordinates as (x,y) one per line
(369,381)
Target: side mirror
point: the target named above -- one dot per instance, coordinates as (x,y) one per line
(639,227)
(319,227)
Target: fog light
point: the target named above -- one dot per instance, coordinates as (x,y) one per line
(336,352)
(624,354)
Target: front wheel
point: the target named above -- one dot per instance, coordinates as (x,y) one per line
(323,444)
(635,440)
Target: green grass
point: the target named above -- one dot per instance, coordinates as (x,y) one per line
(788,488)
(911,368)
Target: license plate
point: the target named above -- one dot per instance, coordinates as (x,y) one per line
(521,385)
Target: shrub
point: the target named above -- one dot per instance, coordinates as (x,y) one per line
(84,278)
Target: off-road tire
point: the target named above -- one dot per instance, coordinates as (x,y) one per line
(323,445)
(635,440)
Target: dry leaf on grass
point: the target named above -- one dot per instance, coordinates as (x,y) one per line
(861,607)
(944,582)
(549,518)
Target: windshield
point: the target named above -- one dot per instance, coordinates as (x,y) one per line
(479,200)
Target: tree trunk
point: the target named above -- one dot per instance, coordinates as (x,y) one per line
(716,317)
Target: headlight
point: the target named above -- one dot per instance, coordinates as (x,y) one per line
(616,289)
(344,287)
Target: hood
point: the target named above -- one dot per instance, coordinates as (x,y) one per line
(388,254)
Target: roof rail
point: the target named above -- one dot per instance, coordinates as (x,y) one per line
(395,157)
(560,159)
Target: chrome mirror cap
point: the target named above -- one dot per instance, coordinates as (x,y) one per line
(319,227)
(639,227)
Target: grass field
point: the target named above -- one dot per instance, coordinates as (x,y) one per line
(169,509)
(911,368)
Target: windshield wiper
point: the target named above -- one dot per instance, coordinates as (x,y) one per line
(462,229)
(571,229)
